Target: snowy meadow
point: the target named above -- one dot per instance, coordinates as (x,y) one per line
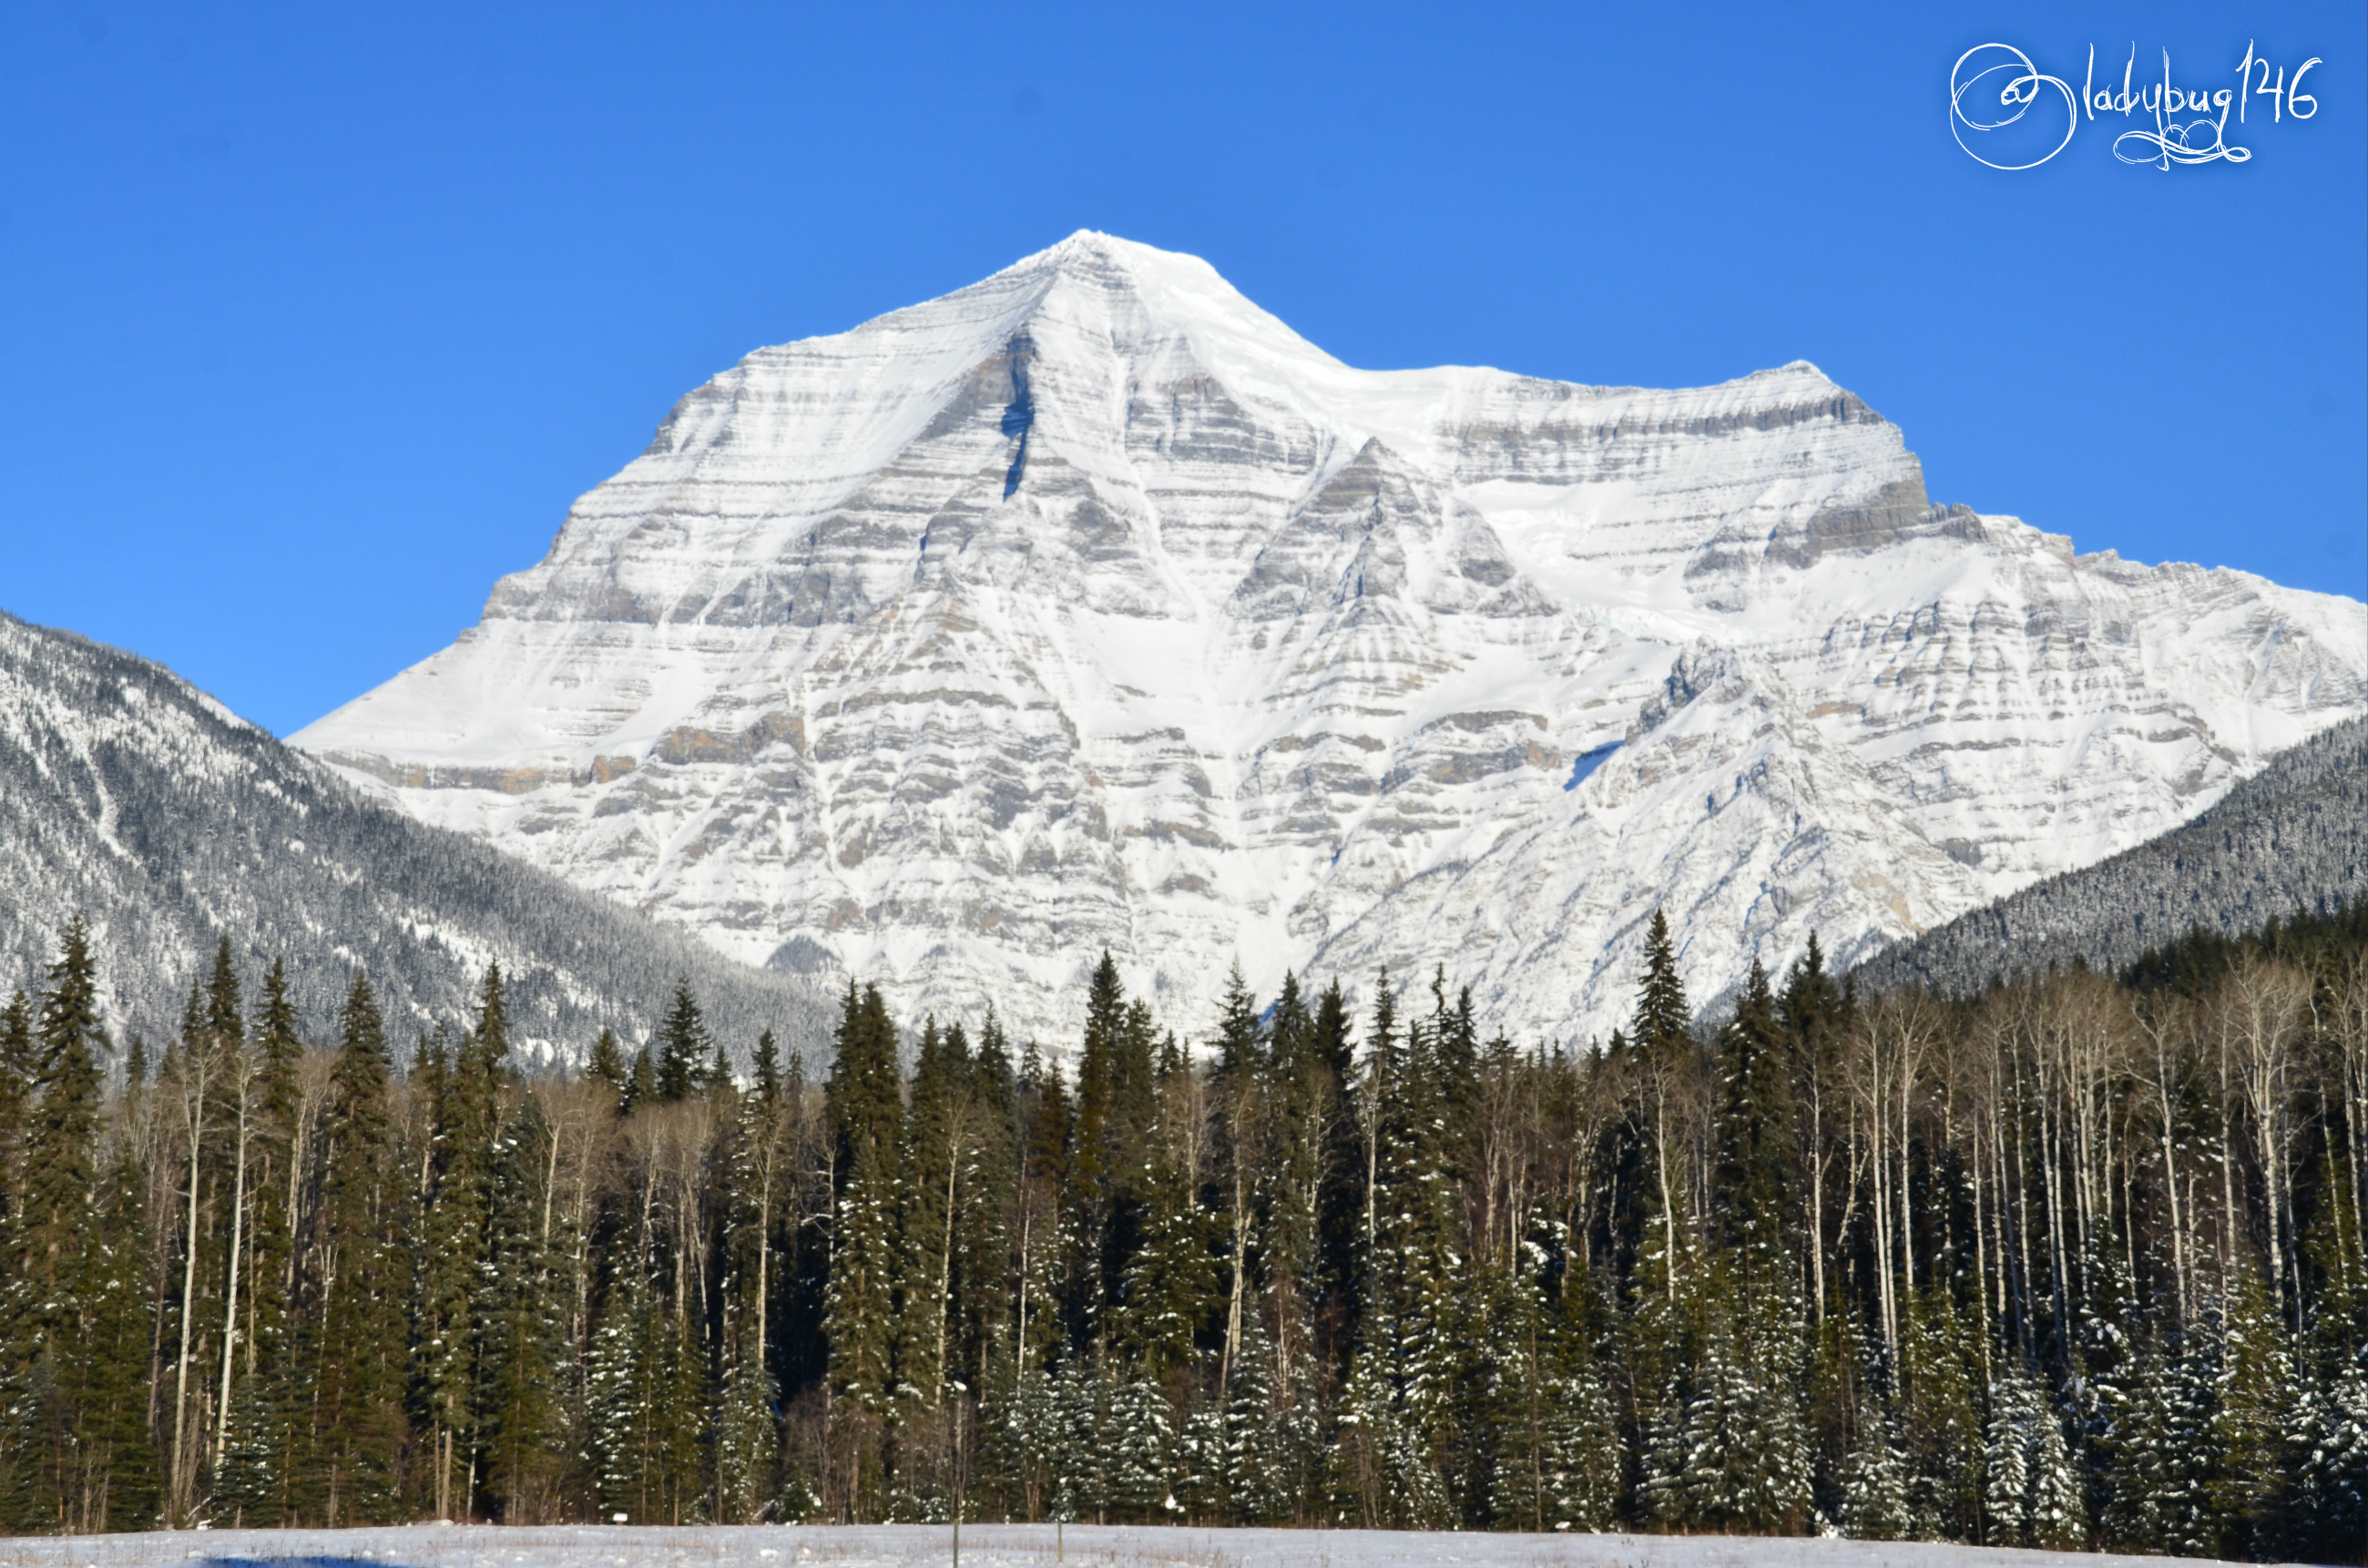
(987,1546)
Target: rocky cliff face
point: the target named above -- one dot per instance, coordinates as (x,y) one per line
(1089,607)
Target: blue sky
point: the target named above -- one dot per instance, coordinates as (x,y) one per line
(313,320)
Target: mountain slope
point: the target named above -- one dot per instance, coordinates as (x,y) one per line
(1089,607)
(2292,837)
(129,796)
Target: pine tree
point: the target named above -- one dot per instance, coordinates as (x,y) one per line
(1755,1153)
(2328,1515)
(56,1394)
(1102,1156)
(1256,1484)
(2055,1516)
(1876,1507)
(2007,1481)
(683,1047)
(451,1335)
(1138,1438)
(2252,1409)
(747,1448)
(867,1243)
(641,1087)
(1170,1286)
(354,1286)
(521,1350)
(1082,1399)
(119,1469)
(1938,1384)
(607,1064)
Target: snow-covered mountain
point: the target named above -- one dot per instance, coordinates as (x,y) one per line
(1090,607)
(132,799)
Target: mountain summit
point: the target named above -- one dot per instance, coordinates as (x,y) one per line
(1089,607)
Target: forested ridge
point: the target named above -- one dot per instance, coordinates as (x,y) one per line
(2076,1262)
(129,795)
(2293,836)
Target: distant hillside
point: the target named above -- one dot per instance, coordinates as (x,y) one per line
(129,795)
(2292,837)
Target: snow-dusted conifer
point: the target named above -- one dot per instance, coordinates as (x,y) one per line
(1876,1507)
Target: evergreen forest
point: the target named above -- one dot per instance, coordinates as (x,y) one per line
(2074,1262)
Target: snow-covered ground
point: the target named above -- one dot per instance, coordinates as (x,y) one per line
(987,1546)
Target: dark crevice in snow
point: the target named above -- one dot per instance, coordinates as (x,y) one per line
(1018,414)
(1588,762)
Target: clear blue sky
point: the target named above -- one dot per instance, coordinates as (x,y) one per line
(313,320)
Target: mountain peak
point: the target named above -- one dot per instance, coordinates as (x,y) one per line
(1090,607)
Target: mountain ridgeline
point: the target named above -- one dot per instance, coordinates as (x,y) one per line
(2292,839)
(129,797)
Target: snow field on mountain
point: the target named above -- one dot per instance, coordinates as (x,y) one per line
(990,1546)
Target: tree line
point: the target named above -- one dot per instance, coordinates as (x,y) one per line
(2074,1262)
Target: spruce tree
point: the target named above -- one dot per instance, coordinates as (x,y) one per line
(268,1410)
(2328,1515)
(1095,1222)
(2253,1406)
(2032,1491)
(519,1324)
(118,1467)
(1139,1443)
(1664,1022)
(17,1071)
(1169,1290)
(607,1064)
(866,1109)
(1254,1471)
(766,1064)
(452,1335)
(1340,1201)
(1876,1507)
(641,1085)
(1753,1145)
(57,1393)
(1082,1399)
(356,1285)
(683,1047)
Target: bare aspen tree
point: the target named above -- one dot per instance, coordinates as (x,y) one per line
(243,1068)
(2261,1008)
(196,1066)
